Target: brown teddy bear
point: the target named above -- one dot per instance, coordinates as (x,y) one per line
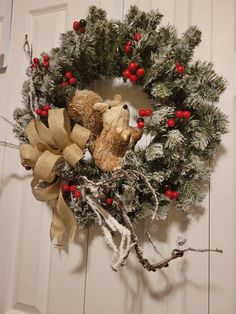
(117,137)
(81,110)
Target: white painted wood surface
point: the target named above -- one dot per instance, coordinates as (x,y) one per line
(35,277)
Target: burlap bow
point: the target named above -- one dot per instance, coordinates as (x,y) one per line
(47,146)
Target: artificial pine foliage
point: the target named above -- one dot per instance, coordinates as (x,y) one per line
(178,155)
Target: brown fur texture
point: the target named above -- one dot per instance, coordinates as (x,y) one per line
(116,138)
(81,110)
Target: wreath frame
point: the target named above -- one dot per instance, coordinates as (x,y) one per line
(177,158)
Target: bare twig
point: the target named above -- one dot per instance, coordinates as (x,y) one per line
(176,253)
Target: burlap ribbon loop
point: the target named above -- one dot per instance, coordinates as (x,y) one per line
(47,146)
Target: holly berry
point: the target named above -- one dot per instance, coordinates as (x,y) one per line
(127,49)
(180,69)
(142,112)
(77,194)
(36,60)
(170,123)
(133,78)
(169,193)
(76,25)
(44,113)
(82,23)
(140,72)
(109,201)
(179,114)
(38,111)
(128,43)
(46,58)
(72,81)
(68,75)
(82,29)
(148,112)
(175,195)
(73,188)
(63,84)
(137,37)
(34,65)
(45,64)
(65,188)
(186,114)
(132,66)
(141,124)
(47,107)
(126,73)
(140,119)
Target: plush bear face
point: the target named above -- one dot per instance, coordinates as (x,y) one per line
(114,115)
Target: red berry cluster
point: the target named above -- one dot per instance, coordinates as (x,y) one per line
(172,195)
(45,62)
(71,188)
(180,114)
(143,112)
(130,45)
(179,68)
(70,80)
(133,72)
(43,112)
(80,26)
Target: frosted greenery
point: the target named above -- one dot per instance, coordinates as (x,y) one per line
(177,157)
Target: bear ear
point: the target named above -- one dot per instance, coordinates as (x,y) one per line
(100,106)
(117,97)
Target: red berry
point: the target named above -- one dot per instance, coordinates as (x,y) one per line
(34,65)
(76,25)
(77,194)
(133,78)
(63,84)
(169,193)
(109,201)
(148,112)
(81,29)
(141,124)
(140,72)
(186,114)
(170,123)
(65,188)
(127,49)
(179,114)
(72,81)
(132,66)
(73,188)
(68,75)
(126,73)
(38,111)
(44,113)
(142,112)
(45,64)
(180,69)
(175,195)
(36,60)
(128,43)
(46,58)
(47,107)
(137,37)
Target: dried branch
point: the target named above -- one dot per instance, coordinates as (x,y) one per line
(176,253)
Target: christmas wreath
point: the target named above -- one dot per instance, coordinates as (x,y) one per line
(81,148)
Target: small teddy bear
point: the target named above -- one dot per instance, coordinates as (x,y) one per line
(81,110)
(117,137)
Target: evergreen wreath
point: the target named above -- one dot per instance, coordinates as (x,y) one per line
(184,125)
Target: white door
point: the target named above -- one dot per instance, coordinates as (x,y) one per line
(35,277)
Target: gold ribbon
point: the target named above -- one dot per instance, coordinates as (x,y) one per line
(47,146)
